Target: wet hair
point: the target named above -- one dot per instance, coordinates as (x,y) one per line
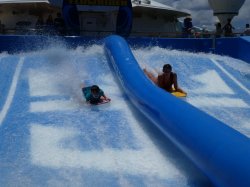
(95,99)
(95,88)
(167,67)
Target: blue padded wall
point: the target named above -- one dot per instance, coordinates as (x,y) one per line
(237,47)
(23,43)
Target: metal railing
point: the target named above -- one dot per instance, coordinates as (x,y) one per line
(98,33)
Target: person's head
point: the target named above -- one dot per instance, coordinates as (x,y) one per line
(167,68)
(95,92)
(218,25)
(247,25)
(229,20)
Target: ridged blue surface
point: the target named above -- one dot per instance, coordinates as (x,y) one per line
(218,150)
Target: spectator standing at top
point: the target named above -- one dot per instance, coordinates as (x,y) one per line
(50,25)
(247,30)
(39,25)
(1,27)
(219,30)
(39,22)
(49,20)
(59,24)
(228,29)
(188,25)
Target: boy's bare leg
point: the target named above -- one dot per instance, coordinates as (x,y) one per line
(151,76)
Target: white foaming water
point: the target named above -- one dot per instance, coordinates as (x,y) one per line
(221,89)
(214,85)
(41,84)
(83,143)
(49,153)
(218,102)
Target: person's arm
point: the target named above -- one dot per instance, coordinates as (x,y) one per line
(176,87)
(104,97)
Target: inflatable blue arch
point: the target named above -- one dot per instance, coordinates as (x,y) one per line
(221,152)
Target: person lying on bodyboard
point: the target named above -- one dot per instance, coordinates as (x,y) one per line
(167,80)
(94,95)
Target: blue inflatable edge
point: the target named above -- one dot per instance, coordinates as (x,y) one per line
(221,152)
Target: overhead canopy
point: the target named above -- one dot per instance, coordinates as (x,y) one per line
(158,8)
(28,5)
(153,8)
(23,1)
